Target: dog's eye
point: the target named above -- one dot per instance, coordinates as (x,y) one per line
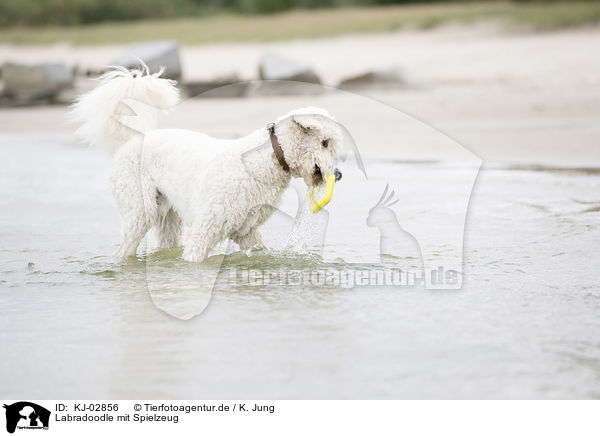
(325,143)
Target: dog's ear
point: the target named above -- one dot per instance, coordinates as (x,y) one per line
(307,122)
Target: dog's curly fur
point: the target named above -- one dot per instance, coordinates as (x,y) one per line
(165,178)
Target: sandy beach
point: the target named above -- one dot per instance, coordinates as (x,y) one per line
(528,98)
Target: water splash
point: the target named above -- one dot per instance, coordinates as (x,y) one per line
(308,232)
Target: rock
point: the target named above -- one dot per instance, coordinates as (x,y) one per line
(383,79)
(228,86)
(155,54)
(274,67)
(27,83)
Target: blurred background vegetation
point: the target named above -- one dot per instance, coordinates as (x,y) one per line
(73,12)
(94,22)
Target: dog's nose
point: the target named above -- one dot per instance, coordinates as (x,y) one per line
(338,175)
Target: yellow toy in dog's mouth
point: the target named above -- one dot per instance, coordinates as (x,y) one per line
(316,206)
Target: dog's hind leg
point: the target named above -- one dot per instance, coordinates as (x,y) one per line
(136,199)
(202,237)
(133,230)
(169,229)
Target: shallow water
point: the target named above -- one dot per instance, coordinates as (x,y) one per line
(75,323)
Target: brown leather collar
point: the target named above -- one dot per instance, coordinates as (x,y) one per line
(277,147)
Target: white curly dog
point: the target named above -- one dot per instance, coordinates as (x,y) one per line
(165,178)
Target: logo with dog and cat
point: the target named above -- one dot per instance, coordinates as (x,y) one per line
(25,415)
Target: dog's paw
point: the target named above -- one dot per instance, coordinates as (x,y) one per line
(194,254)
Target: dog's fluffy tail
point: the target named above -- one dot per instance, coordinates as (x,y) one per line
(126,103)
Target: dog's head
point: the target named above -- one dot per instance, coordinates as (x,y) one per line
(310,138)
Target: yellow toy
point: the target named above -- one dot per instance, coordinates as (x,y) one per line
(316,206)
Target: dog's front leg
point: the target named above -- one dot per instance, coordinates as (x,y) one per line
(201,239)
(249,240)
